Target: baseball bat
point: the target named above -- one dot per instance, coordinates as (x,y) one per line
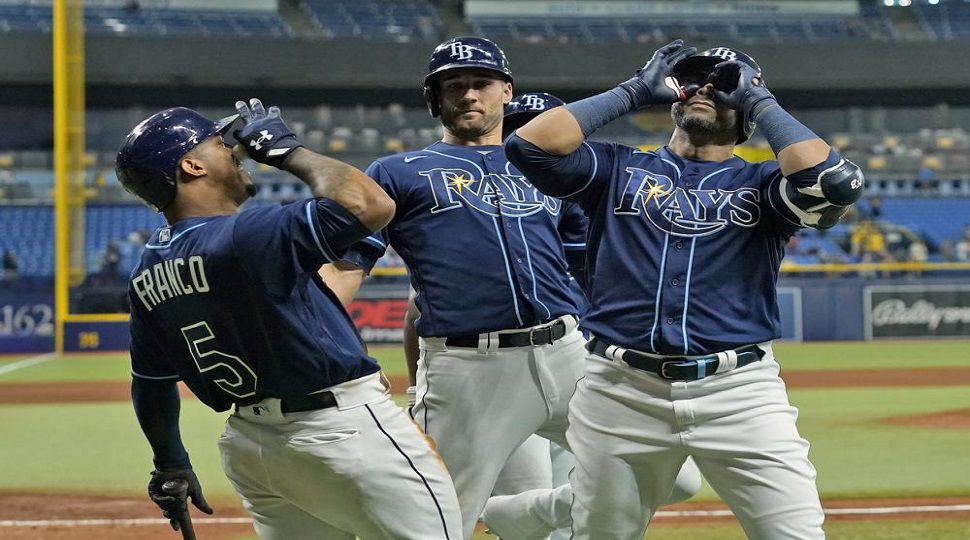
(179,489)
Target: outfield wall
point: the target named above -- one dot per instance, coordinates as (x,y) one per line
(812,309)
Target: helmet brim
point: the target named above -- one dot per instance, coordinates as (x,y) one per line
(430,78)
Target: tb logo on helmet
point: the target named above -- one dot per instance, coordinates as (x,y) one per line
(460,51)
(724,52)
(533,103)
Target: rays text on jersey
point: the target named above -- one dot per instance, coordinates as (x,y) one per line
(509,195)
(169,279)
(687,212)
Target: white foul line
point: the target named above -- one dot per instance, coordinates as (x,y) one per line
(27,362)
(832,511)
(114,522)
(663,513)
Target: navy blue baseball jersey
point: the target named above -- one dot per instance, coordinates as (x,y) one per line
(683,255)
(482,245)
(233,306)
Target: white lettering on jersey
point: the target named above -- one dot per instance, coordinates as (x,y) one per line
(686,212)
(168,279)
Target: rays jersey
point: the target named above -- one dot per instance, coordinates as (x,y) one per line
(683,255)
(233,306)
(484,248)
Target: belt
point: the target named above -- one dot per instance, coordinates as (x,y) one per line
(678,368)
(311,402)
(545,335)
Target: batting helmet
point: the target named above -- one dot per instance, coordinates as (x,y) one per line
(148,159)
(526,107)
(462,52)
(696,69)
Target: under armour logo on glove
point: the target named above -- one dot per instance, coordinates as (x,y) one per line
(264,135)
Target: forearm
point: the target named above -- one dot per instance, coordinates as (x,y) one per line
(157,406)
(796,147)
(412,350)
(344,184)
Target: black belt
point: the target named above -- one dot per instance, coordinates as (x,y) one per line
(524,338)
(312,402)
(678,368)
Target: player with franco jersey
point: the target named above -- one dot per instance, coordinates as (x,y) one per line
(230,303)
(684,250)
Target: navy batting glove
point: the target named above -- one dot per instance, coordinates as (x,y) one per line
(738,86)
(170,505)
(264,135)
(653,83)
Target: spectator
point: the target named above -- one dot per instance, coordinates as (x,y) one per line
(962,249)
(111,263)
(10,265)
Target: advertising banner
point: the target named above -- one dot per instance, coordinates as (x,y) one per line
(917,311)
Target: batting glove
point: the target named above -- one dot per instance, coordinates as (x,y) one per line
(653,83)
(738,86)
(264,135)
(171,505)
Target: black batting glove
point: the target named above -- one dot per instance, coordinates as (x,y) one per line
(170,505)
(738,86)
(264,135)
(653,83)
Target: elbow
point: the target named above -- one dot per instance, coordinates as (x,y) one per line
(378,210)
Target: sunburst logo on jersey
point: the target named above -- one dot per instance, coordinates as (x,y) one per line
(460,182)
(655,191)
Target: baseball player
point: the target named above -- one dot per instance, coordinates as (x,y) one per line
(500,348)
(530,466)
(230,303)
(683,252)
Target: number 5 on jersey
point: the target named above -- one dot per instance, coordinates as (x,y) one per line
(226,371)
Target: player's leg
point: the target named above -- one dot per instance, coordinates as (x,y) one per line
(748,447)
(478,408)
(529,467)
(362,466)
(539,513)
(409,493)
(628,452)
(274,517)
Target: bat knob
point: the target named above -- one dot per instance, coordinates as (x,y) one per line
(176,488)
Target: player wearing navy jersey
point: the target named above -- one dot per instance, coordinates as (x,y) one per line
(684,249)
(536,463)
(230,303)
(500,349)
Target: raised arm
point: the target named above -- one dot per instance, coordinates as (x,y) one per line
(560,131)
(818,184)
(267,139)
(550,150)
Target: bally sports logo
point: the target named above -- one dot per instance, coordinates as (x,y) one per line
(895,312)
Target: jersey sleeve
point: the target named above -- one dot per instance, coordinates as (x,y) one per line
(303,235)
(149,357)
(573,226)
(782,219)
(572,230)
(580,176)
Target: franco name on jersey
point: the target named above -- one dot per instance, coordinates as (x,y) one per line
(168,279)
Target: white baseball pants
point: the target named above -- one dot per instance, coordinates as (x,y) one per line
(631,431)
(360,469)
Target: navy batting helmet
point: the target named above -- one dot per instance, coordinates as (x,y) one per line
(696,69)
(462,52)
(148,159)
(526,107)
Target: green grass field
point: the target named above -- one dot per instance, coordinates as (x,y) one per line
(97,447)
